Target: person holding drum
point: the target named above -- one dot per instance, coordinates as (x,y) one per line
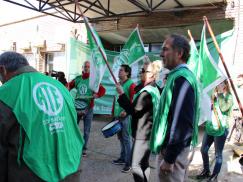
(142,110)
(84,100)
(119,113)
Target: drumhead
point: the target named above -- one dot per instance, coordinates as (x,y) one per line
(110,125)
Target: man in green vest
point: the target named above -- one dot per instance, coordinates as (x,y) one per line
(85,96)
(124,136)
(176,123)
(39,136)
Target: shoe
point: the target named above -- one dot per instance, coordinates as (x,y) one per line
(84,154)
(118,162)
(203,175)
(213,178)
(126,169)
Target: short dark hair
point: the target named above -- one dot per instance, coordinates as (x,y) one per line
(127,69)
(181,44)
(12,61)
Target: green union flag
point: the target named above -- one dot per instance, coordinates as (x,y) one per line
(97,62)
(210,75)
(207,73)
(194,61)
(133,50)
(131,53)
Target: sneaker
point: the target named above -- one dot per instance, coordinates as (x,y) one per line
(84,154)
(126,169)
(213,178)
(118,162)
(204,174)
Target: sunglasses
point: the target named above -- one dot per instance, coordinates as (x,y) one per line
(144,71)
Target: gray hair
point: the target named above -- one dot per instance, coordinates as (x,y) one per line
(181,44)
(12,61)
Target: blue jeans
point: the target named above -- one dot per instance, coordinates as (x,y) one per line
(87,118)
(125,142)
(219,142)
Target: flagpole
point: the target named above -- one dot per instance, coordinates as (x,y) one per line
(190,35)
(102,53)
(222,59)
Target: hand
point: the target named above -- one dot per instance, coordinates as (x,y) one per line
(95,96)
(123,114)
(119,89)
(166,168)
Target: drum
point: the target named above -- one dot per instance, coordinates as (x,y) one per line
(111,128)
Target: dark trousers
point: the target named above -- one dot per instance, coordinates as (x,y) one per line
(125,142)
(87,119)
(140,160)
(219,142)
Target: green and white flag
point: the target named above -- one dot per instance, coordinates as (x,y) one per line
(97,62)
(194,61)
(210,75)
(131,53)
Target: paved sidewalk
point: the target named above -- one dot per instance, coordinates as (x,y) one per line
(97,166)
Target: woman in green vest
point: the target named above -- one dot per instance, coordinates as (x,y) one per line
(142,110)
(216,131)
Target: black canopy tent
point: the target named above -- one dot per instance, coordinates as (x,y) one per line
(105,10)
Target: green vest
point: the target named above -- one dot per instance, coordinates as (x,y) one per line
(219,122)
(126,87)
(45,111)
(159,128)
(83,90)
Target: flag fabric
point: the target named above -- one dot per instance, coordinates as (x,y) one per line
(194,61)
(210,75)
(131,53)
(97,62)
(207,73)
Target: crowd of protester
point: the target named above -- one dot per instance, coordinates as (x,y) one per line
(40,139)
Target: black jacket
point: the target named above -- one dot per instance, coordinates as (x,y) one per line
(141,111)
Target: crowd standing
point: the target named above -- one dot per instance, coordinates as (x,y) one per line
(46,144)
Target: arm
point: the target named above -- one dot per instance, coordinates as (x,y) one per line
(100,93)
(7,122)
(71,85)
(182,112)
(225,103)
(137,108)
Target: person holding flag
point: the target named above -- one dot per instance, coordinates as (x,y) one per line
(176,122)
(216,130)
(39,136)
(142,111)
(85,97)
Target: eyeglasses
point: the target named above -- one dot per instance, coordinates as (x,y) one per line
(144,71)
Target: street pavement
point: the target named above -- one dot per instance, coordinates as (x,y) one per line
(97,165)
